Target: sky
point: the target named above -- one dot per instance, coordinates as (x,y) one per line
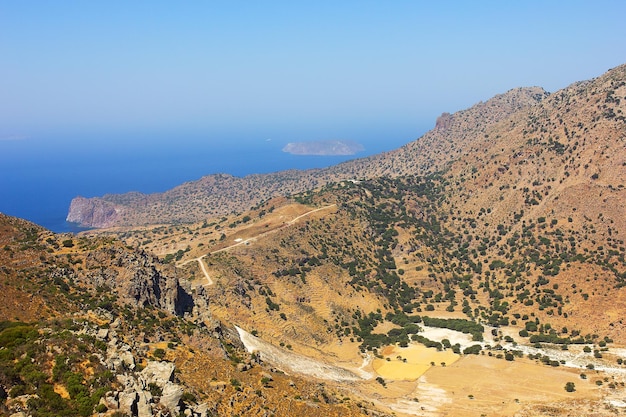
(326,66)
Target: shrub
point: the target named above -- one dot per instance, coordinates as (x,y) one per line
(159,353)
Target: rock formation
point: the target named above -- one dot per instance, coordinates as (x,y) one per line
(93,212)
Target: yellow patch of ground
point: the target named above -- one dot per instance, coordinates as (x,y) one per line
(410,363)
(61,390)
(479,385)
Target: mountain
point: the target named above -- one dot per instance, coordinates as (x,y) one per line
(480,270)
(220,194)
(90,326)
(580,115)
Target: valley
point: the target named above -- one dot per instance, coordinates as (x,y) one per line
(477,271)
(407,372)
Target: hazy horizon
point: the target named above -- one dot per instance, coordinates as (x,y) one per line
(140,96)
(319,70)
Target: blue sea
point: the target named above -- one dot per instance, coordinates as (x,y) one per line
(40,175)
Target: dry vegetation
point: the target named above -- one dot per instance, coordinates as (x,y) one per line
(477,271)
(516,222)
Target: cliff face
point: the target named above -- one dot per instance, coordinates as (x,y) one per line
(93,212)
(138,278)
(92,267)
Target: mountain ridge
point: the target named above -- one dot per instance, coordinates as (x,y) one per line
(492,246)
(221,194)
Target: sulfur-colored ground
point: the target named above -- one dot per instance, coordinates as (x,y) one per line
(411,362)
(478,385)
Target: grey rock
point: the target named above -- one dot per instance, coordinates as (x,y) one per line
(201,410)
(158,373)
(114,363)
(110,400)
(171,396)
(92,212)
(144,409)
(102,334)
(128,402)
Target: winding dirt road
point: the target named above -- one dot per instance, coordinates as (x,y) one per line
(247,241)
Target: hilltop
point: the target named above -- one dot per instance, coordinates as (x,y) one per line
(585,119)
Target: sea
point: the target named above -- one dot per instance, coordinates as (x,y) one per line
(39,175)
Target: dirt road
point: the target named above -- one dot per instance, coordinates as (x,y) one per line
(247,241)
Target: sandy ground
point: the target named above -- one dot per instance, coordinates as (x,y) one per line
(472,385)
(438,334)
(479,385)
(411,362)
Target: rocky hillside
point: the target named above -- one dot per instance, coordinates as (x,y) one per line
(91,326)
(221,194)
(359,269)
(586,117)
(492,246)
(510,231)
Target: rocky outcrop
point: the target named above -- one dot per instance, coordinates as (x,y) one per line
(138,278)
(444,121)
(93,212)
(151,392)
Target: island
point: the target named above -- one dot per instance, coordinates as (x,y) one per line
(324,147)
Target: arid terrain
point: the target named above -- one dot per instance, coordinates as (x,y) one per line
(479,270)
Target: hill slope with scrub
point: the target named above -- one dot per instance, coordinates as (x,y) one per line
(493,245)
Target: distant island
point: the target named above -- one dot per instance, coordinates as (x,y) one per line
(324,147)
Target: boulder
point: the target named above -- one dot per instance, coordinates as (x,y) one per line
(102,334)
(144,409)
(128,402)
(158,373)
(201,410)
(110,400)
(171,396)
(128,360)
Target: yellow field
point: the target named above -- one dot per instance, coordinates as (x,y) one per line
(408,364)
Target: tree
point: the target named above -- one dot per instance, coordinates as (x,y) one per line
(570,387)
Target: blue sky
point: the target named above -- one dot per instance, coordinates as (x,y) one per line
(119,66)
